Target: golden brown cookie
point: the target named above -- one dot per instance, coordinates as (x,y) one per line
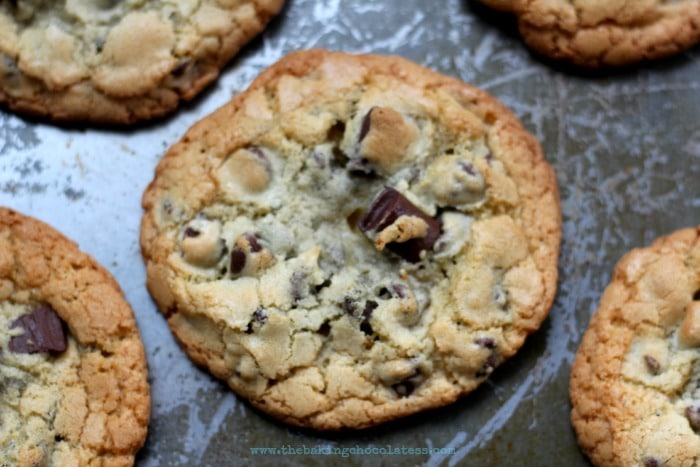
(635,383)
(73,388)
(595,33)
(118,62)
(353,239)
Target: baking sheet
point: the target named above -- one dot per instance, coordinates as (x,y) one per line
(625,146)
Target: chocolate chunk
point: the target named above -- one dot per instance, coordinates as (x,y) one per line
(325,329)
(692,413)
(487,342)
(653,364)
(238,260)
(696,296)
(43,332)
(468,168)
(190,232)
(488,366)
(365,327)
(259,318)
(366,123)
(259,315)
(352,307)
(181,68)
(399,290)
(336,132)
(388,206)
(253,242)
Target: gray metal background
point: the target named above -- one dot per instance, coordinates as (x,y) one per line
(625,146)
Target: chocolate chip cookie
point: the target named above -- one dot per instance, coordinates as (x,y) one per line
(635,383)
(353,239)
(73,388)
(118,62)
(595,33)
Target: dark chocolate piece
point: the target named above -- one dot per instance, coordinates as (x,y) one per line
(653,365)
(488,366)
(487,342)
(238,260)
(191,232)
(253,242)
(692,413)
(43,332)
(366,123)
(388,206)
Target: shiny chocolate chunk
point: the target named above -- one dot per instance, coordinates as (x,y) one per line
(238,260)
(388,206)
(43,332)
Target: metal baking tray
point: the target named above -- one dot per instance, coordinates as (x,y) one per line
(626,149)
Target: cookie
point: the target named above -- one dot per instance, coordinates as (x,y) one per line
(118,62)
(610,33)
(635,382)
(353,239)
(73,388)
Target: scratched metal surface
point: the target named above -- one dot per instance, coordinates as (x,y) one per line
(626,148)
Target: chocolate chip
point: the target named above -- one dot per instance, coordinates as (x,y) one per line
(468,168)
(692,413)
(370,306)
(653,364)
(384,293)
(364,128)
(388,206)
(259,318)
(325,329)
(696,295)
(190,232)
(393,291)
(336,132)
(350,305)
(259,315)
(253,242)
(238,260)
(487,342)
(399,290)
(488,366)
(43,332)
(181,67)
(650,462)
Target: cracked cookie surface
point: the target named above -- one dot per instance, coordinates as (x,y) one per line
(73,387)
(635,382)
(118,62)
(353,239)
(595,33)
